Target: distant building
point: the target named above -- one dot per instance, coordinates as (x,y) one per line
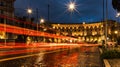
(6,8)
(89,32)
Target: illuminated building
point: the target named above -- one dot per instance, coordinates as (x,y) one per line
(88,32)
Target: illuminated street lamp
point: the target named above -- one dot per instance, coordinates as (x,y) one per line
(42,20)
(116,35)
(118,14)
(29,11)
(116,32)
(71,6)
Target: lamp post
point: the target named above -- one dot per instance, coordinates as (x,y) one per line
(48,12)
(71,7)
(42,21)
(29,11)
(106,23)
(116,36)
(37,18)
(117,16)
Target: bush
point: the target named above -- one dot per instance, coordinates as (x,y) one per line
(110,54)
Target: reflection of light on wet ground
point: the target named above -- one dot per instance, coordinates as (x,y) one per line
(36,61)
(40,58)
(62,59)
(81,57)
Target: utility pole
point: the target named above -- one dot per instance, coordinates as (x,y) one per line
(103,10)
(37,22)
(37,18)
(106,23)
(48,10)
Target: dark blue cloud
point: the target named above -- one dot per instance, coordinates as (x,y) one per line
(88,10)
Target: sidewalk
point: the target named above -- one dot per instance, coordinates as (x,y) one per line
(114,62)
(111,62)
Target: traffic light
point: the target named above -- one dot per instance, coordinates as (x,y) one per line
(116,5)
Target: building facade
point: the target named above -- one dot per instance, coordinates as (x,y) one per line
(7,9)
(89,32)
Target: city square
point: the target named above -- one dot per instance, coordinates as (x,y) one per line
(65,33)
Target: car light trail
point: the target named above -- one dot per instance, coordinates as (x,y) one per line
(12,58)
(42,45)
(24,31)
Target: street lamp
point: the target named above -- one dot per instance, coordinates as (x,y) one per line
(116,32)
(29,11)
(42,20)
(106,23)
(118,14)
(116,35)
(71,6)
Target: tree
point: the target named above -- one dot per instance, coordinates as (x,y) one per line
(116,4)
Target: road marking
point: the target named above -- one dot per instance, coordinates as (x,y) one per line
(13,58)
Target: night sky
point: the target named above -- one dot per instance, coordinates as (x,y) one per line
(87,10)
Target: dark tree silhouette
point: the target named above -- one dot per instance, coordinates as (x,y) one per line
(116,5)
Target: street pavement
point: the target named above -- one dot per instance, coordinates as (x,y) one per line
(77,57)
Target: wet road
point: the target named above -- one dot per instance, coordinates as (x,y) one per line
(78,57)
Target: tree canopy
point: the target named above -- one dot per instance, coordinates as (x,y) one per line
(116,5)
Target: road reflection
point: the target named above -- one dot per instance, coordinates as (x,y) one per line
(79,57)
(55,59)
(66,58)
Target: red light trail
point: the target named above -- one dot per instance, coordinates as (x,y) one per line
(24,31)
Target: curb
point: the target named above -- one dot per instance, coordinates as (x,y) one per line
(106,63)
(100,50)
